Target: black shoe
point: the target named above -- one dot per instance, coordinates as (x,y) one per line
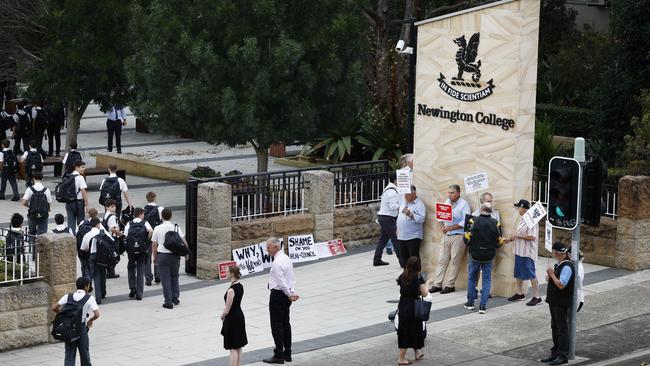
(435,289)
(534,301)
(559,361)
(287,358)
(469,306)
(176,301)
(104,296)
(132,294)
(379,263)
(273,360)
(113,276)
(447,290)
(138,298)
(15,198)
(2,197)
(548,359)
(148,283)
(168,306)
(517,297)
(481,309)
(157,280)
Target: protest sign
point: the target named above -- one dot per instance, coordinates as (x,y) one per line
(534,215)
(330,248)
(403,181)
(476,182)
(248,259)
(223,269)
(266,257)
(443,212)
(301,248)
(548,237)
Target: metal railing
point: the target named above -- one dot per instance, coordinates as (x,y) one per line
(19,258)
(361,184)
(608,198)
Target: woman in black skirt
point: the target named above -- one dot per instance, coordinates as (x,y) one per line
(234,325)
(410,332)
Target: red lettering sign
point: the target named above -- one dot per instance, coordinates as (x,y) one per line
(223,269)
(336,247)
(443,212)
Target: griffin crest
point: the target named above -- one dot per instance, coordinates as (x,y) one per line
(466,56)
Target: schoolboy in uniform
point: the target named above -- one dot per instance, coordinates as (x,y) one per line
(37,221)
(168,263)
(113,228)
(153,215)
(8,173)
(136,265)
(77,210)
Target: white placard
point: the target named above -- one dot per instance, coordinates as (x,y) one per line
(534,215)
(248,259)
(476,182)
(548,237)
(403,180)
(266,257)
(301,248)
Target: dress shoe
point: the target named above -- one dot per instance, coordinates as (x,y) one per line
(447,290)
(138,298)
(548,359)
(273,359)
(435,289)
(148,283)
(15,198)
(168,306)
(559,361)
(287,358)
(176,301)
(379,263)
(132,294)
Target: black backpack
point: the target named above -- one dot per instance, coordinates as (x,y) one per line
(106,254)
(110,189)
(68,322)
(485,238)
(152,216)
(174,243)
(25,122)
(66,190)
(136,241)
(42,118)
(73,157)
(39,208)
(34,162)
(14,243)
(9,161)
(83,229)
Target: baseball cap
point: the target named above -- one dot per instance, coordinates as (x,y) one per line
(523,204)
(559,247)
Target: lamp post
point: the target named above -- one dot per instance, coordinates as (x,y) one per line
(411,51)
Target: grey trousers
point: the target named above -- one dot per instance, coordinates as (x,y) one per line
(136,272)
(168,266)
(83,345)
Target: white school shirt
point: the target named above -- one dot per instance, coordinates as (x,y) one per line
(282,274)
(65,157)
(79,184)
(38,186)
(89,241)
(123,186)
(89,307)
(137,220)
(112,222)
(63,227)
(24,156)
(2,156)
(159,235)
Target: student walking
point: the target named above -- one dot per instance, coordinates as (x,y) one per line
(33,162)
(37,199)
(233,329)
(76,210)
(168,263)
(84,255)
(113,228)
(138,234)
(113,187)
(71,157)
(54,126)
(61,227)
(89,314)
(9,169)
(153,215)
(15,240)
(96,263)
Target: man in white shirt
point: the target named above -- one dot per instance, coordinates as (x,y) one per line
(37,199)
(282,285)
(140,232)
(153,215)
(114,187)
(97,272)
(387,216)
(77,210)
(168,263)
(89,313)
(115,119)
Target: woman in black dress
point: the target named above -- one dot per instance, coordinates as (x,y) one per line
(234,325)
(410,332)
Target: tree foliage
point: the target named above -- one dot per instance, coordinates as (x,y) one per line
(637,150)
(247,71)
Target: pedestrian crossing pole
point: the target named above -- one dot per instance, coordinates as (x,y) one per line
(579,155)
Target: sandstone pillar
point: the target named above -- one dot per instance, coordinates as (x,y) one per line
(319,202)
(213,228)
(633,224)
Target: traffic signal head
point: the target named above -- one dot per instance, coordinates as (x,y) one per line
(563,192)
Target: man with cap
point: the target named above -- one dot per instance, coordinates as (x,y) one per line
(525,239)
(559,296)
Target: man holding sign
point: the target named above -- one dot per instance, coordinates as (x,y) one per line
(453,248)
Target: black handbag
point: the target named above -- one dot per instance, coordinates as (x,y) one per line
(422,309)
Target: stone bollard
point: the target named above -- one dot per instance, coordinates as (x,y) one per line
(319,202)
(633,223)
(214,230)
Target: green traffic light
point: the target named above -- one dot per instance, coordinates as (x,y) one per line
(559,212)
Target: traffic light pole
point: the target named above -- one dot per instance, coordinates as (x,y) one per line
(579,155)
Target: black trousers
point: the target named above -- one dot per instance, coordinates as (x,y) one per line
(279,305)
(11,177)
(560,331)
(54,134)
(409,248)
(388,231)
(114,128)
(136,272)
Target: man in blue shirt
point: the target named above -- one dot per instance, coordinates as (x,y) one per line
(410,225)
(452,250)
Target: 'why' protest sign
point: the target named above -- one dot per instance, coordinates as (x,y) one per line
(301,248)
(249,259)
(266,257)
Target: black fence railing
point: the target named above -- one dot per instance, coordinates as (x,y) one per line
(19,257)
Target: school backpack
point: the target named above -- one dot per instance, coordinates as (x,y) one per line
(9,161)
(34,162)
(14,243)
(152,215)
(174,243)
(110,189)
(68,322)
(66,190)
(136,241)
(73,157)
(25,121)
(106,254)
(39,208)
(83,229)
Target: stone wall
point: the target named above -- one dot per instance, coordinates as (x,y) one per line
(633,229)
(256,231)
(357,225)
(597,243)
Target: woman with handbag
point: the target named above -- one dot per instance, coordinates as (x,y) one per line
(410,329)
(234,325)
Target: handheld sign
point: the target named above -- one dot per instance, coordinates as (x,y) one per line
(548,237)
(301,248)
(249,259)
(223,269)
(443,212)
(403,181)
(330,248)
(476,182)
(534,215)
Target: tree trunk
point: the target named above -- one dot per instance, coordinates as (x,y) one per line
(262,153)
(76,110)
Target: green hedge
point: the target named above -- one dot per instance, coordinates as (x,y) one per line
(568,121)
